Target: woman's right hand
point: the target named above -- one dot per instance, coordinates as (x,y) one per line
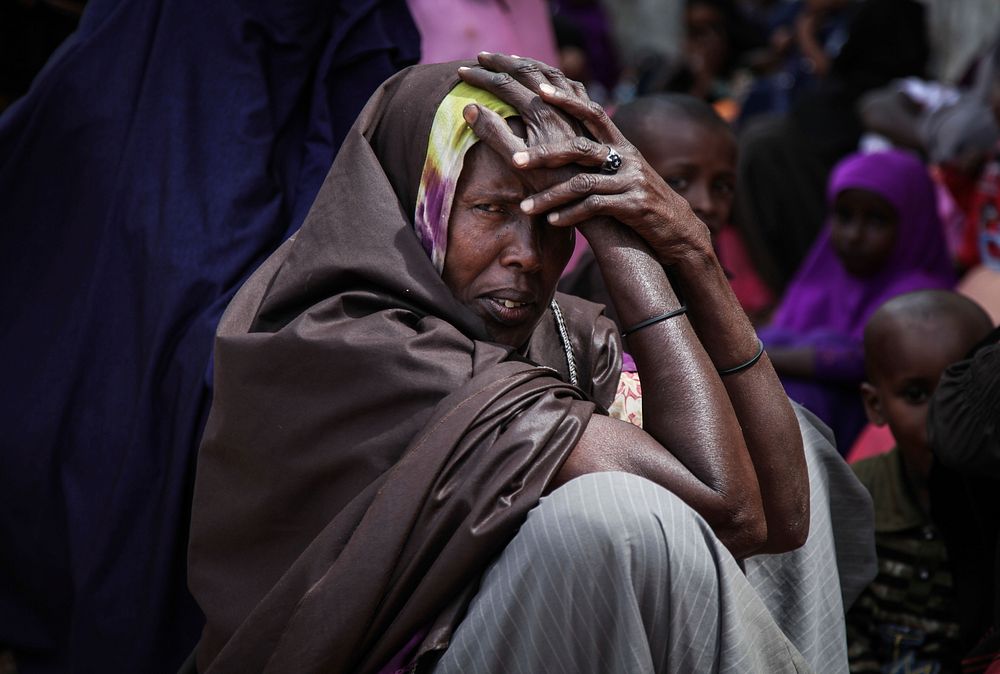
(634,195)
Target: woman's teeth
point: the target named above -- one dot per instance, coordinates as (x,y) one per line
(511,304)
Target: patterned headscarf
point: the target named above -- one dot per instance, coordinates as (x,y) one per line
(449,140)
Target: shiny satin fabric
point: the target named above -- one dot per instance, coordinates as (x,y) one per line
(369,450)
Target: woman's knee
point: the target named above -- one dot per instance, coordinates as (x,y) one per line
(615,511)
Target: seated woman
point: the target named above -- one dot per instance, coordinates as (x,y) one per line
(883,238)
(407,456)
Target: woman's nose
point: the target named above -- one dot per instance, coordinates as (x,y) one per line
(523,245)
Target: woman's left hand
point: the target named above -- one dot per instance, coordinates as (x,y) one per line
(633,194)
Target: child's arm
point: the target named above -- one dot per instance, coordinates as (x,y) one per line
(824,362)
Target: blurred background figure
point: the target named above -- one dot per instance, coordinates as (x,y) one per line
(883,237)
(785,159)
(587,49)
(642,30)
(160,154)
(803,37)
(451,30)
(718,38)
(711,63)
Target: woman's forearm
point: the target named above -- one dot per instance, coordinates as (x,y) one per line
(768,422)
(685,406)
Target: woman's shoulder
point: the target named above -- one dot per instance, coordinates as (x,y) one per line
(580,340)
(581,313)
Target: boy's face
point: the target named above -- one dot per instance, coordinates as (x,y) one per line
(910,360)
(698,162)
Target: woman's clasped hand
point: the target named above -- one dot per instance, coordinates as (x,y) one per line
(715,441)
(566,130)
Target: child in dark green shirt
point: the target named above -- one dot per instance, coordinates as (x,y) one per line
(905,620)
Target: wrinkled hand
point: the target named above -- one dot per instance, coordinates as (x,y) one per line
(509,79)
(516,80)
(634,196)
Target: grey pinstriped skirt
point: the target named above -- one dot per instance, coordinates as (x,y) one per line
(614,574)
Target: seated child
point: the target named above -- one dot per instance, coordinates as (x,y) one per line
(694,151)
(883,237)
(906,619)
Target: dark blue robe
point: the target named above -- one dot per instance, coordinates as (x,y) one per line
(164,151)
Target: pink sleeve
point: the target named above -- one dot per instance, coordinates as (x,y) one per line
(627,405)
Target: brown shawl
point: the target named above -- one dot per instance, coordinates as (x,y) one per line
(369,450)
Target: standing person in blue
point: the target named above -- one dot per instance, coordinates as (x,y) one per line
(164,151)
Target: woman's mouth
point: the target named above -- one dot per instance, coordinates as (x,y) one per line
(508,311)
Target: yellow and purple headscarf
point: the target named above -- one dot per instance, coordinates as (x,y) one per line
(449,140)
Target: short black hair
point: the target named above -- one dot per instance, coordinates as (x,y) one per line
(921,307)
(632,117)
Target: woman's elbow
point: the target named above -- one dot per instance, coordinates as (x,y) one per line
(786,536)
(743,527)
(788,528)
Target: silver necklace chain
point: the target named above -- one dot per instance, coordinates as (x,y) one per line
(566,345)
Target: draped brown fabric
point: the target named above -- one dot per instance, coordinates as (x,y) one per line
(369,450)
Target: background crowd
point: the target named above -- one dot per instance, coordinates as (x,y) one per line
(152,154)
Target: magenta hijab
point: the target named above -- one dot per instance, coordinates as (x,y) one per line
(823,297)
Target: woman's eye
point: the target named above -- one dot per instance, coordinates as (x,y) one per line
(493,209)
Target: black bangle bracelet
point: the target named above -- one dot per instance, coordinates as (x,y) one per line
(747,365)
(656,319)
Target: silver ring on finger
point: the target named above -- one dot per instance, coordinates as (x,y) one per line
(612,162)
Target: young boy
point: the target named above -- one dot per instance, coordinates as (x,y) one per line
(905,620)
(694,150)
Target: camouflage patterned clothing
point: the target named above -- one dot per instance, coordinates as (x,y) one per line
(905,621)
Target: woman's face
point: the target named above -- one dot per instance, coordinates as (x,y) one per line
(500,262)
(863,231)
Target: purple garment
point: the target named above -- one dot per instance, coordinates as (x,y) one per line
(595,26)
(826,308)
